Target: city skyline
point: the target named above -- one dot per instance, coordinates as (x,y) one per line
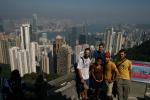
(46,41)
(102,11)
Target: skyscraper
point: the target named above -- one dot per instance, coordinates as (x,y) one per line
(59,42)
(82,39)
(118,41)
(73,36)
(4,55)
(13,54)
(51,62)
(84,31)
(18,41)
(26,31)
(34,22)
(45,62)
(23,62)
(33,53)
(46,58)
(19,59)
(108,39)
(56,46)
(64,60)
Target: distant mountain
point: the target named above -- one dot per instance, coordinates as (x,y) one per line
(141,52)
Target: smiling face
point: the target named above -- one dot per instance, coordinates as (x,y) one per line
(86,53)
(122,55)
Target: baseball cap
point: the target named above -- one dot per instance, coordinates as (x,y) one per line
(107,55)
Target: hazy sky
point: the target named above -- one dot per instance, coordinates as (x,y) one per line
(102,11)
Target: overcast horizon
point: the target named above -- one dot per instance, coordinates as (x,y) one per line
(103,11)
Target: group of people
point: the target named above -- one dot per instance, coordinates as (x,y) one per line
(104,75)
(14,88)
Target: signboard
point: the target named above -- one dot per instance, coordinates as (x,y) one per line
(141,71)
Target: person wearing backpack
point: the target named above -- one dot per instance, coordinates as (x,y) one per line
(83,71)
(124,67)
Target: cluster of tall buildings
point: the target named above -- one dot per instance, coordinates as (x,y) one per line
(113,40)
(28,51)
(22,57)
(42,56)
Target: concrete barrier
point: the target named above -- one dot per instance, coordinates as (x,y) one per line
(69,91)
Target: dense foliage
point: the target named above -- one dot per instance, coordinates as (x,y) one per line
(141,52)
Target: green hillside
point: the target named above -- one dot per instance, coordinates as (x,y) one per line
(141,52)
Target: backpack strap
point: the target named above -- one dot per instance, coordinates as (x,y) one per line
(121,63)
(82,59)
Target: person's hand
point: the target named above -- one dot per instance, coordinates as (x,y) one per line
(82,80)
(86,86)
(110,81)
(99,81)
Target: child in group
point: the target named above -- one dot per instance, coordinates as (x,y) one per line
(97,77)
